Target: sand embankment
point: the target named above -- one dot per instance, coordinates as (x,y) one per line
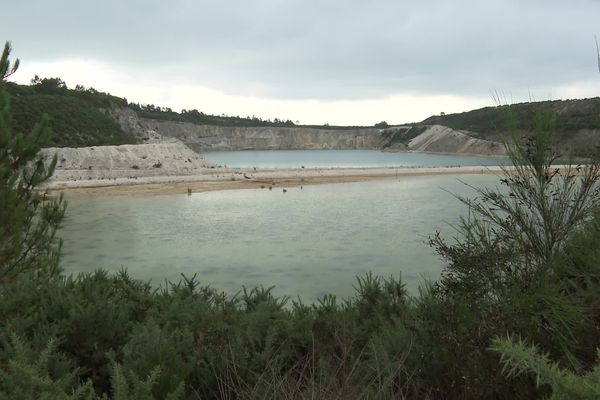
(441,139)
(228,179)
(166,157)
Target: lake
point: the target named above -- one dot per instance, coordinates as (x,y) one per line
(306,242)
(341,158)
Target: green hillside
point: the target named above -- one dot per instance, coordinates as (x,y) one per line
(76,116)
(489,122)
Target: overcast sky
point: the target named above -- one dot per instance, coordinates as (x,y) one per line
(334,61)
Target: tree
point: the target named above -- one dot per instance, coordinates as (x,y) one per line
(29,217)
(49,85)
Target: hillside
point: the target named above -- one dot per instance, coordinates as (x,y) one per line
(577,121)
(86,117)
(81,116)
(76,117)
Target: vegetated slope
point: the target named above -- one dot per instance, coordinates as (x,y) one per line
(76,119)
(85,117)
(577,121)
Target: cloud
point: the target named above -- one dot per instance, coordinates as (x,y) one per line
(400,108)
(325,50)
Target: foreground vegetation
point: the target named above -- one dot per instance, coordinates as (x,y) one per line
(515,315)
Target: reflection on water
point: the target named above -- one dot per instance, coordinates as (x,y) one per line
(341,158)
(306,242)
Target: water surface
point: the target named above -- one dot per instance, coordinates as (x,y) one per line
(306,242)
(341,158)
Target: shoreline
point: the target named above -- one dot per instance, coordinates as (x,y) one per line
(249,178)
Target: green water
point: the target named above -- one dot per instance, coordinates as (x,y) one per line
(305,242)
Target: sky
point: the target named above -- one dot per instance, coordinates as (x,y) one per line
(342,62)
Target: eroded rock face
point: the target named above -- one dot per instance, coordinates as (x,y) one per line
(208,137)
(434,139)
(128,120)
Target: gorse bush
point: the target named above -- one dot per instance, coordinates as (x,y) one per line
(34,375)
(518,359)
(524,264)
(190,336)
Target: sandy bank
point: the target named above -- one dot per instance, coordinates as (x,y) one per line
(168,166)
(229,179)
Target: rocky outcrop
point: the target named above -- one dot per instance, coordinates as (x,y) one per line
(128,120)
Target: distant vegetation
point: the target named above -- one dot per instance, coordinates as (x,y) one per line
(488,122)
(198,117)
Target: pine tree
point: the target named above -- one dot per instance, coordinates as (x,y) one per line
(29,217)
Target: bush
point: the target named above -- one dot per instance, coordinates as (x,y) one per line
(519,359)
(506,272)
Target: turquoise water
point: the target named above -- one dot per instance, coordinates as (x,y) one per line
(306,242)
(340,158)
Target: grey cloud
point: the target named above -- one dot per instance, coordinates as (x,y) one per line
(345,49)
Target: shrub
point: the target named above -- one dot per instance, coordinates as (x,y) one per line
(519,359)
(503,273)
